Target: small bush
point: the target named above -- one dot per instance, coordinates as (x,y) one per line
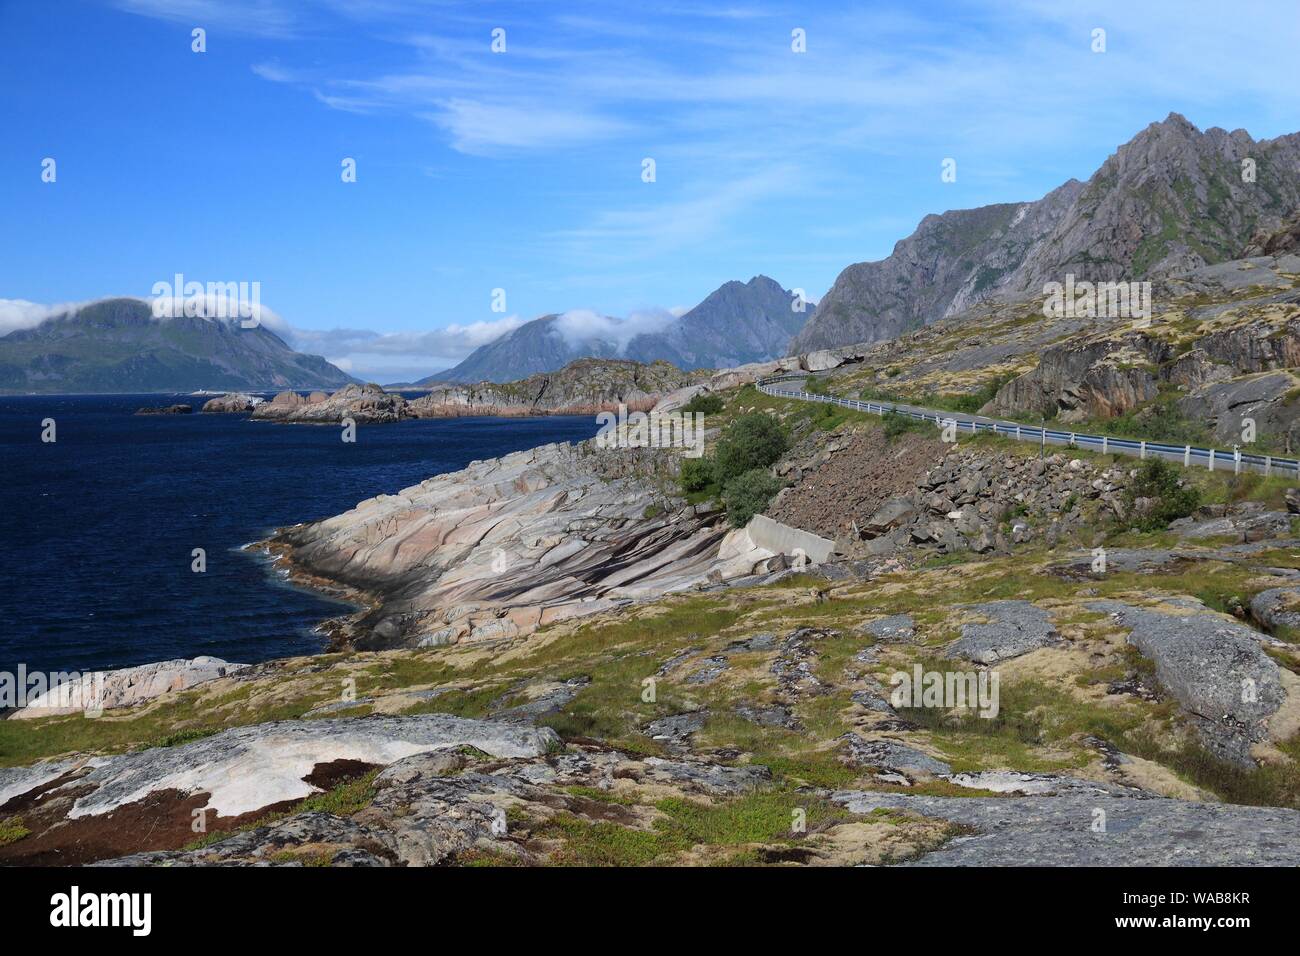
(752,441)
(748,494)
(896,423)
(183,737)
(972,402)
(705,403)
(1158,479)
(697,474)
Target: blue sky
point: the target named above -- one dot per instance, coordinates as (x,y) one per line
(522,170)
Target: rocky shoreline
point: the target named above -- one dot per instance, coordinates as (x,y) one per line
(508,545)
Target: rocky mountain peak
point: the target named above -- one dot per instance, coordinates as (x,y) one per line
(737,323)
(1172,198)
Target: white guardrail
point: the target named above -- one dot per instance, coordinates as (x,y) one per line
(1235,461)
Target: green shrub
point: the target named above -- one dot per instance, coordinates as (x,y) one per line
(971,402)
(896,423)
(752,441)
(697,474)
(748,494)
(705,403)
(871,394)
(1158,479)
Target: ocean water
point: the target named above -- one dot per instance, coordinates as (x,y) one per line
(97,529)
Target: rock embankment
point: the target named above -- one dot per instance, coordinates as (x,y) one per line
(983,502)
(1226,376)
(837,482)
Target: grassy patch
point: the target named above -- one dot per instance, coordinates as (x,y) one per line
(176,738)
(1274,785)
(764,817)
(1031,714)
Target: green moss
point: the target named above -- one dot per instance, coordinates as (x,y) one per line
(12,830)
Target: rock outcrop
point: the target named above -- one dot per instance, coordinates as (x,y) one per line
(364,404)
(1228,375)
(234,403)
(1276,241)
(252,768)
(1140,829)
(125,687)
(1085,379)
(1214,667)
(1008,629)
(507,545)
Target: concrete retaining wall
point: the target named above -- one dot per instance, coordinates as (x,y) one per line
(782,539)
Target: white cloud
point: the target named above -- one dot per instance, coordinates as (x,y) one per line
(273,72)
(477,127)
(20,314)
(581,326)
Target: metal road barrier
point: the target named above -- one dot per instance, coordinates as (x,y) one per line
(1188,456)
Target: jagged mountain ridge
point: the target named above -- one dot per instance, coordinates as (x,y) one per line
(116,345)
(1172,198)
(737,323)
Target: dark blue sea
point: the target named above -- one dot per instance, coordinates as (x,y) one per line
(97,528)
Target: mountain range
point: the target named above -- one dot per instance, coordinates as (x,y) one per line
(116,345)
(1173,198)
(737,323)
(1170,200)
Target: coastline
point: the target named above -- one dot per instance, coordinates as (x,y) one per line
(337,628)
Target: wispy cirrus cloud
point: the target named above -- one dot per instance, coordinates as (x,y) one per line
(484,128)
